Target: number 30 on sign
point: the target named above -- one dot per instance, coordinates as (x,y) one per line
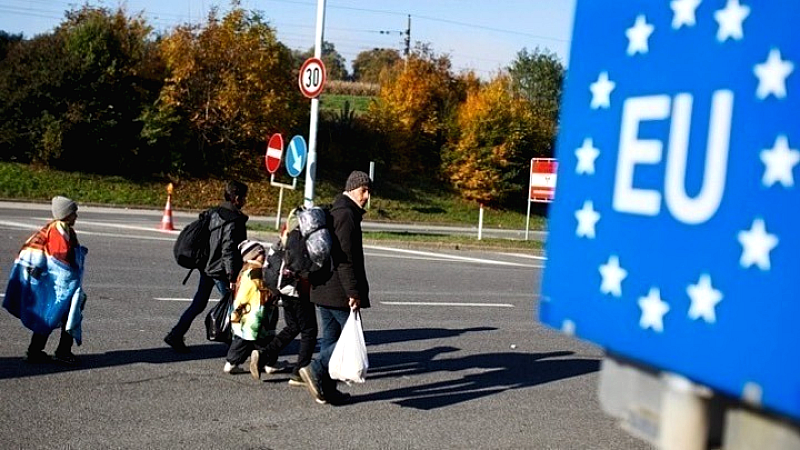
(312,77)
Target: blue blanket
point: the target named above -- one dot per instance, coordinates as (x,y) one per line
(45,293)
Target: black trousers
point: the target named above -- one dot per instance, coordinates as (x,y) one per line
(39,341)
(240,349)
(301,318)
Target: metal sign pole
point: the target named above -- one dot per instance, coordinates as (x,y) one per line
(311,170)
(530,186)
(280,205)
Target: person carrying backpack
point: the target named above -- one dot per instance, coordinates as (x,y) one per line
(227,225)
(286,275)
(344,289)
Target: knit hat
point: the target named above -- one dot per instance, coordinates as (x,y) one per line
(62,207)
(250,249)
(356,180)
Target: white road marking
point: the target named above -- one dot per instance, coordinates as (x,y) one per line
(176,299)
(481,305)
(446,257)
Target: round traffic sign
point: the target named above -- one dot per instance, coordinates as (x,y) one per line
(274,152)
(312,77)
(296,156)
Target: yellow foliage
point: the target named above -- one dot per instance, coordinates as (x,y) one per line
(232,78)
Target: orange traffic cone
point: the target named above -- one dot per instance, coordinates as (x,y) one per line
(166,219)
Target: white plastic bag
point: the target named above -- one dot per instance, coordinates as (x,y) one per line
(349,360)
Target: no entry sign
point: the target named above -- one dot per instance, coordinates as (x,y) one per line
(274,152)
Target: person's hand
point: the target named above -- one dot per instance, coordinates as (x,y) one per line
(355,303)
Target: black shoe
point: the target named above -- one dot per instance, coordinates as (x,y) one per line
(67,359)
(39,357)
(312,383)
(337,398)
(176,343)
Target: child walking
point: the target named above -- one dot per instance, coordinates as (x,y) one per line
(255,315)
(45,286)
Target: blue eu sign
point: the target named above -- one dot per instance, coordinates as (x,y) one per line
(675,235)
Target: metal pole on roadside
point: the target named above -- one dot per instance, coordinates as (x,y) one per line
(371,177)
(311,168)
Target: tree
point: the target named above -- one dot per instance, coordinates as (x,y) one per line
(70,99)
(6,41)
(417,101)
(494,135)
(233,83)
(369,64)
(334,62)
(538,77)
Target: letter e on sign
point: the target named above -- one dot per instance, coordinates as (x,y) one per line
(312,77)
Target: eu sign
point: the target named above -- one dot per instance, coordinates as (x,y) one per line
(674,237)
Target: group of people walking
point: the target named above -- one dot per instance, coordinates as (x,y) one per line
(235,267)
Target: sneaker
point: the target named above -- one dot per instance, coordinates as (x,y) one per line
(232,368)
(176,343)
(295,380)
(37,357)
(255,371)
(312,383)
(68,359)
(279,366)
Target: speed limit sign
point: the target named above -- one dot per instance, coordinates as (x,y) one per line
(312,77)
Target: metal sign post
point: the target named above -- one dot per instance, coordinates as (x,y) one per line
(311,172)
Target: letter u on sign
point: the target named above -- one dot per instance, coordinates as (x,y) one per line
(634,151)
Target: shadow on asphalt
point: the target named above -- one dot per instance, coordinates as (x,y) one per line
(496,372)
(378,337)
(15,367)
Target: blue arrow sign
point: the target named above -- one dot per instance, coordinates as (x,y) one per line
(296,156)
(674,233)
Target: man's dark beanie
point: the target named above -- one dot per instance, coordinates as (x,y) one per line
(356,180)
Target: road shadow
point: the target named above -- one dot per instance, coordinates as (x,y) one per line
(15,367)
(497,372)
(379,337)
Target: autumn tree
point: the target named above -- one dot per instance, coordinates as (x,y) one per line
(233,83)
(417,101)
(495,130)
(369,64)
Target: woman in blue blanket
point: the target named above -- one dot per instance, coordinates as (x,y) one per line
(44,289)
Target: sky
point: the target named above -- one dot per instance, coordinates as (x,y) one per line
(480,35)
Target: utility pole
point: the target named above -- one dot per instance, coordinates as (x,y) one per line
(408,36)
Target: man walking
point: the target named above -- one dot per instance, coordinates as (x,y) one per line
(344,289)
(228,229)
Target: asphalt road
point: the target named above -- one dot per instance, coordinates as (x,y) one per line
(457,359)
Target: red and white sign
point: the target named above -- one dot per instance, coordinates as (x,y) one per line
(312,77)
(274,152)
(543,179)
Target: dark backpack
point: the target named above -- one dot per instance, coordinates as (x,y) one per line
(308,241)
(191,247)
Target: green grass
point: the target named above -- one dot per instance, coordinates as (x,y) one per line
(401,204)
(335,103)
